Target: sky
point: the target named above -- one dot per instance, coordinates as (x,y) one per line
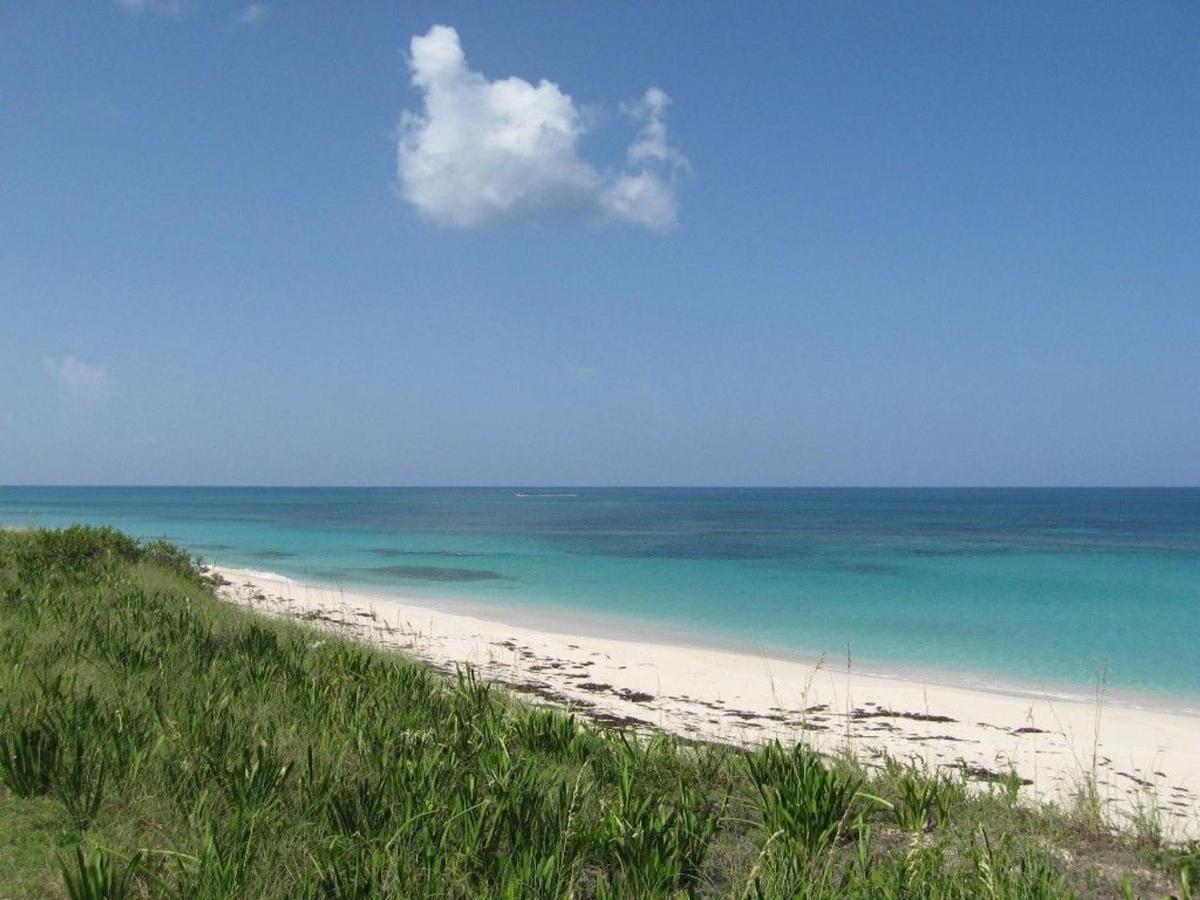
(612,243)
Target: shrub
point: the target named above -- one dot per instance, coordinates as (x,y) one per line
(811,804)
(97,875)
(29,758)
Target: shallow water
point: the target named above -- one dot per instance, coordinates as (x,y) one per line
(1029,588)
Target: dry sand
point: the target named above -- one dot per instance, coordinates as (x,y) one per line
(1142,759)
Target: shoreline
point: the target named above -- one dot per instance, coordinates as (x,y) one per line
(588,624)
(1060,673)
(1141,760)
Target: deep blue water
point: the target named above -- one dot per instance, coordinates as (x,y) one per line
(1039,589)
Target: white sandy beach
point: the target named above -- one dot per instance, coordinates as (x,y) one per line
(1142,758)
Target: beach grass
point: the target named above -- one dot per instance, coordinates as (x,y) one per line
(156,741)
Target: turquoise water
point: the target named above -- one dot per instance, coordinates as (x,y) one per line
(1033,589)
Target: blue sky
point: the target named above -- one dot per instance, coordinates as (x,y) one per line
(879,244)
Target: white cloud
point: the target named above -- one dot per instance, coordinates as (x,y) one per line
(652,144)
(483,151)
(161,7)
(645,199)
(80,382)
(255,14)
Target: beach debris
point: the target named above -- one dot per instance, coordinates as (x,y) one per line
(884,713)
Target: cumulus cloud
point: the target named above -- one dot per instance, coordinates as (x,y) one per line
(254,14)
(80,382)
(484,151)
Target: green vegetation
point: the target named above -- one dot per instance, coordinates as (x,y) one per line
(157,742)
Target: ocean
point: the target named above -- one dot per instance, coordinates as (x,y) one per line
(1039,590)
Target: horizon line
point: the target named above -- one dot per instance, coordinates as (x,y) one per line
(536,486)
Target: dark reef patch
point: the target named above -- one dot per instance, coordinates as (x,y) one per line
(693,550)
(273,554)
(436,573)
(869,568)
(396,553)
(951,551)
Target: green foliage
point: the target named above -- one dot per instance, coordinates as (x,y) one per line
(657,843)
(1183,859)
(80,784)
(552,732)
(29,758)
(811,804)
(1030,877)
(82,551)
(76,550)
(96,875)
(167,555)
(924,799)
